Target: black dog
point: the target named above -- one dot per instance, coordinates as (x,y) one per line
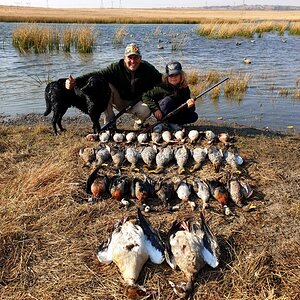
(91,99)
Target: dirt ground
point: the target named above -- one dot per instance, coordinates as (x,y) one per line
(49,231)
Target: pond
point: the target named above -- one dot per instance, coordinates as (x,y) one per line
(275,65)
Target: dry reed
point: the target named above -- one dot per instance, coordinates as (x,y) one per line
(236,86)
(294,28)
(119,35)
(49,231)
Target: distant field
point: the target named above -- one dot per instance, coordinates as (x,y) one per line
(122,15)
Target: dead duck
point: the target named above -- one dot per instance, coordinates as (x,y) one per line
(167,136)
(199,155)
(117,155)
(92,137)
(88,155)
(132,155)
(131,244)
(156,138)
(180,135)
(119,187)
(130,137)
(181,155)
(190,245)
(119,137)
(219,193)
(164,190)
(102,155)
(215,155)
(148,155)
(143,138)
(104,136)
(193,136)
(142,189)
(183,191)
(202,190)
(163,158)
(97,184)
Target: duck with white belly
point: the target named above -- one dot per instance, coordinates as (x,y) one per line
(190,246)
(131,244)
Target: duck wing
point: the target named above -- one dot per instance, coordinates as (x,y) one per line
(154,243)
(210,250)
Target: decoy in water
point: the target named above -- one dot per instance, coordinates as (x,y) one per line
(131,244)
(190,245)
(246,60)
(97,184)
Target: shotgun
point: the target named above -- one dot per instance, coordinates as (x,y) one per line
(118,115)
(175,111)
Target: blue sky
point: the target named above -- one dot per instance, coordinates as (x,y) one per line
(142,4)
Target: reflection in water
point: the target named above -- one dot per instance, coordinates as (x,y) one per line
(275,65)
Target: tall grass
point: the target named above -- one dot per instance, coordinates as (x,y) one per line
(294,28)
(40,39)
(119,35)
(236,86)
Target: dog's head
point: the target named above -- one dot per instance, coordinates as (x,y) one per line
(96,86)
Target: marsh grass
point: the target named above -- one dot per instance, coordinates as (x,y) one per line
(294,28)
(40,39)
(49,232)
(119,35)
(297,89)
(235,88)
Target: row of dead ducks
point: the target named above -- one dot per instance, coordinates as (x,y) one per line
(165,137)
(140,190)
(157,159)
(190,244)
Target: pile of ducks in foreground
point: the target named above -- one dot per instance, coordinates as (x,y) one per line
(134,169)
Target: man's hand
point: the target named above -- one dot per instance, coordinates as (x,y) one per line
(158,115)
(70,83)
(190,102)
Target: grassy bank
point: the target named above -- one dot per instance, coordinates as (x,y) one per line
(119,15)
(49,232)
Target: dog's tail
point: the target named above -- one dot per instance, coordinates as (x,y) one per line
(47,98)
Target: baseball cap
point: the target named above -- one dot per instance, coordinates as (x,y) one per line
(132,49)
(173,68)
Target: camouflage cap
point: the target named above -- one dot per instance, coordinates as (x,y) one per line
(132,49)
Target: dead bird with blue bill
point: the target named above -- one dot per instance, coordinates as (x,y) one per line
(133,155)
(215,156)
(88,155)
(117,154)
(102,155)
(148,155)
(133,241)
(119,187)
(181,155)
(97,184)
(233,159)
(199,155)
(130,137)
(142,190)
(163,158)
(104,136)
(202,190)
(184,190)
(190,246)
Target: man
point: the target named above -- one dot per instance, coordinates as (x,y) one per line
(128,78)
